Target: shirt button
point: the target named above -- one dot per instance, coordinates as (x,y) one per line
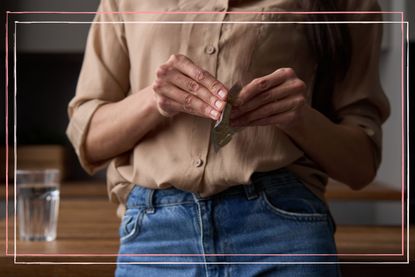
(198,163)
(210,49)
(369,132)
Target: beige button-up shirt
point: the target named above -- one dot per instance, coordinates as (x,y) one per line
(124,50)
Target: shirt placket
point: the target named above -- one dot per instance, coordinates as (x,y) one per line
(208,37)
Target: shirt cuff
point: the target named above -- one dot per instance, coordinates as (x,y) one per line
(77,130)
(372,130)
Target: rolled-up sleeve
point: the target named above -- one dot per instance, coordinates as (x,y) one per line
(104,77)
(359,99)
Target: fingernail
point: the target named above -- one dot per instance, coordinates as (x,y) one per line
(219,104)
(214,114)
(222,94)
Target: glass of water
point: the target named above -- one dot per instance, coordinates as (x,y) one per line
(37,203)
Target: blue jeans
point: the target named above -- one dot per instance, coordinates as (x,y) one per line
(261,229)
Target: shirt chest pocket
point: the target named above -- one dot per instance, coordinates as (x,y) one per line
(281,41)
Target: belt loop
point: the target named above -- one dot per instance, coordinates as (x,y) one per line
(196,196)
(250,191)
(150,208)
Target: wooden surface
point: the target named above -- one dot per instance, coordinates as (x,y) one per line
(335,191)
(373,192)
(91,226)
(88,226)
(94,189)
(84,226)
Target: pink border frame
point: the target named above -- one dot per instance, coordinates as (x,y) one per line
(205,12)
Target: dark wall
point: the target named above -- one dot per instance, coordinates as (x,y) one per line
(411,129)
(2,68)
(46,83)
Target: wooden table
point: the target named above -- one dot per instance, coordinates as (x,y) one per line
(88,232)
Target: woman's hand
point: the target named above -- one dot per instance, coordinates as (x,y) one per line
(275,99)
(344,151)
(182,86)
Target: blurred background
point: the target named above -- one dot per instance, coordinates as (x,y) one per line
(49,58)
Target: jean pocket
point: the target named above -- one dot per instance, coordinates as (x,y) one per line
(295,203)
(131,224)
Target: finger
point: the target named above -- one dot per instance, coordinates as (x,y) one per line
(168,90)
(188,102)
(186,66)
(262,84)
(194,105)
(268,110)
(278,119)
(168,107)
(189,85)
(276,93)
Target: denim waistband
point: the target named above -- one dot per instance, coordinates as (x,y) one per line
(149,198)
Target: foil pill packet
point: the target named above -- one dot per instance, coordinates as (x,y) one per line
(222,132)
